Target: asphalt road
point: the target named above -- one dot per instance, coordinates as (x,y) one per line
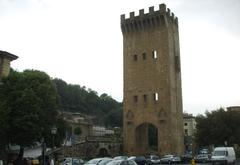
(237,163)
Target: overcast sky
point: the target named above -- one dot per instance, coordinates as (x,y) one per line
(81,43)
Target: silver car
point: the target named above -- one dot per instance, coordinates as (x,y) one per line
(170,159)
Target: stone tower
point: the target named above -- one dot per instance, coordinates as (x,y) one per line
(5,59)
(152,82)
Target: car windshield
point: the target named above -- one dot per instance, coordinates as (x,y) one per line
(67,160)
(167,156)
(155,157)
(132,158)
(219,153)
(120,157)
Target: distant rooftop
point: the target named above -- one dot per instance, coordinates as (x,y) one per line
(7,55)
(234,108)
(187,115)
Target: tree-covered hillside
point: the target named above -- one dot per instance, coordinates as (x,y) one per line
(74,98)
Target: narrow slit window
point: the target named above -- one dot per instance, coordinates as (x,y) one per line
(155,96)
(154,54)
(144,56)
(145,98)
(135,99)
(135,57)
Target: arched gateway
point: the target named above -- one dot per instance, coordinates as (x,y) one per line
(152,83)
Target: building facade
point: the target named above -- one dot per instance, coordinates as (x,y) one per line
(189,124)
(5,59)
(152,83)
(234,108)
(189,128)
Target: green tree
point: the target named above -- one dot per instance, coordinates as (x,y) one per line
(77,131)
(28,102)
(114,118)
(74,98)
(218,127)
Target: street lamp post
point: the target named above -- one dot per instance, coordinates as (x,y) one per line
(53,132)
(43,150)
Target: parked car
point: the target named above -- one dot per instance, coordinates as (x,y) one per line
(71,161)
(202,158)
(140,160)
(122,162)
(120,157)
(224,155)
(186,158)
(153,159)
(98,161)
(105,161)
(170,159)
(204,151)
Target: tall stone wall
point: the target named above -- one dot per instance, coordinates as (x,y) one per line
(152,81)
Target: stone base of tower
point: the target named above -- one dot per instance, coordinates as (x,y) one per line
(136,141)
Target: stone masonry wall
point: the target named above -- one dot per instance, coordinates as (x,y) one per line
(152,81)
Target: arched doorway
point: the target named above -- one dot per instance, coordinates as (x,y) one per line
(146,139)
(103,152)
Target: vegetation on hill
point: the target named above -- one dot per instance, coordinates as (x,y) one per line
(74,98)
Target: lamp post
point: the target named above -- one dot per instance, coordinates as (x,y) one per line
(43,150)
(53,132)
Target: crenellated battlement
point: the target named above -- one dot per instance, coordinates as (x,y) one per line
(162,17)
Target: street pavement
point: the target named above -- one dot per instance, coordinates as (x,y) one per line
(236,163)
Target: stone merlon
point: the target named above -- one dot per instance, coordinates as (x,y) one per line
(143,21)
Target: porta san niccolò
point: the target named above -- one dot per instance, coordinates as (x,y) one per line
(152,82)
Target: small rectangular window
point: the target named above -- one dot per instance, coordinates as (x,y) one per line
(145,98)
(154,54)
(144,56)
(135,58)
(185,124)
(155,96)
(186,132)
(135,98)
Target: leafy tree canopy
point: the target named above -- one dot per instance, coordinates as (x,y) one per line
(77,131)
(28,102)
(218,127)
(74,98)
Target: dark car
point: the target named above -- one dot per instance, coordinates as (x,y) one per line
(202,158)
(140,160)
(153,159)
(186,158)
